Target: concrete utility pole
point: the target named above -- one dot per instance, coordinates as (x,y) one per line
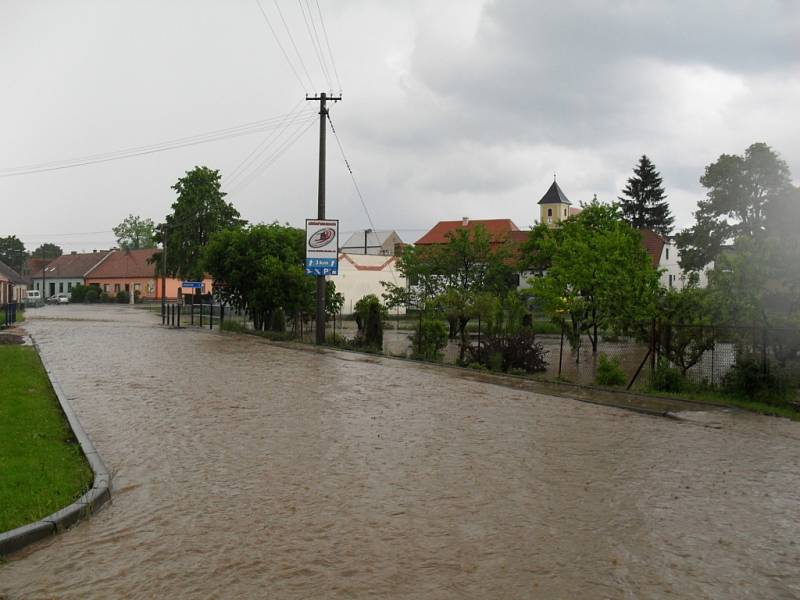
(323,113)
(164,268)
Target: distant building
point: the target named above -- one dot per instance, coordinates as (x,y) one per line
(130,271)
(12,285)
(555,207)
(61,274)
(664,253)
(382,243)
(500,231)
(361,274)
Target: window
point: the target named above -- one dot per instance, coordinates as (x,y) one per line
(37,285)
(69,286)
(671,279)
(565,212)
(116,287)
(61,287)
(105,287)
(549,212)
(667,253)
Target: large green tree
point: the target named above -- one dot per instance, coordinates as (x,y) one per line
(135,232)
(643,202)
(12,252)
(260,269)
(198,213)
(597,273)
(450,277)
(746,194)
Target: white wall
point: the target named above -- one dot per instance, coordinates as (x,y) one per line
(672,276)
(354,283)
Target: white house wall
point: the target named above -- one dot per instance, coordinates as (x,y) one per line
(354,283)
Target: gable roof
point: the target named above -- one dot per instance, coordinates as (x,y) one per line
(10,274)
(554,195)
(654,244)
(367,262)
(499,230)
(73,266)
(125,263)
(374,239)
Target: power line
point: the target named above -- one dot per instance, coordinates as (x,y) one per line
(327,43)
(275,35)
(294,112)
(315,42)
(213,136)
(242,175)
(291,38)
(280,151)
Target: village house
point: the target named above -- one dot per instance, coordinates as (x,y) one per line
(13,286)
(362,274)
(665,255)
(61,274)
(131,271)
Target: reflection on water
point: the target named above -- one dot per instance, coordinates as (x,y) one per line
(247,470)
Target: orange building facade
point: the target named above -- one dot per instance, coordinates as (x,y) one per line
(129,271)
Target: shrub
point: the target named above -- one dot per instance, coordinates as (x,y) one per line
(373,334)
(519,351)
(747,378)
(104,297)
(667,378)
(428,340)
(92,295)
(233,326)
(123,297)
(609,372)
(78,293)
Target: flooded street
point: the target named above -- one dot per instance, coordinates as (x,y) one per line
(248,470)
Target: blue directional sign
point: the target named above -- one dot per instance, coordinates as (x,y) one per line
(322,266)
(192,284)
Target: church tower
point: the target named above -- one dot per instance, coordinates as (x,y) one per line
(554,206)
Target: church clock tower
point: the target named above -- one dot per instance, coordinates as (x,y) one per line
(554,206)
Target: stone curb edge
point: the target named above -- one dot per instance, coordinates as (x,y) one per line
(91,501)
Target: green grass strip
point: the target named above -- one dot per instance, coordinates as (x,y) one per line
(42,468)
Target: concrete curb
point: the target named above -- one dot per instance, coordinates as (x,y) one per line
(91,501)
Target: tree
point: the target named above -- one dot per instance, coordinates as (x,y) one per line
(259,269)
(134,233)
(198,213)
(448,277)
(598,273)
(12,252)
(683,317)
(644,204)
(743,192)
(47,251)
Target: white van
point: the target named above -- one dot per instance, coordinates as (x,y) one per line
(33,298)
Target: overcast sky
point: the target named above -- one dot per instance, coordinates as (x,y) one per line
(450,109)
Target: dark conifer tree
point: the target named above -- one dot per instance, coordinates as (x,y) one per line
(644,204)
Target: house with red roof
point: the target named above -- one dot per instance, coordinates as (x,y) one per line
(61,274)
(131,271)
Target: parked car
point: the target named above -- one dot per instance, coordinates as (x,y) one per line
(33,298)
(59,299)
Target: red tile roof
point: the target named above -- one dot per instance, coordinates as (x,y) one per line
(71,265)
(126,263)
(499,230)
(654,244)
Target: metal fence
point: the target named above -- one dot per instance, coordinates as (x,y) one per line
(703,354)
(179,315)
(8,314)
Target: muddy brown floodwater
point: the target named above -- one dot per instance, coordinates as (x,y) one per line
(247,470)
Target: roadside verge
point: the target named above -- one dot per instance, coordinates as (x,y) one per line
(100,492)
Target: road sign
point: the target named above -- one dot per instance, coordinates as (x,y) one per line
(322,247)
(192,284)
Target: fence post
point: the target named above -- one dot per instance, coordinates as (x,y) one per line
(221,315)
(179,316)
(561,351)
(201,312)
(211,316)
(713,352)
(653,349)
(191,313)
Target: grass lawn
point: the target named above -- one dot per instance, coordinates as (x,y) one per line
(719,398)
(42,466)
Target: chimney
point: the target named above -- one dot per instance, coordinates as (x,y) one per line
(464,221)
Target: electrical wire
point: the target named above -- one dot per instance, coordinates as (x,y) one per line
(280,151)
(242,174)
(286,56)
(236,171)
(213,136)
(315,42)
(328,44)
(291,38)
(355,183)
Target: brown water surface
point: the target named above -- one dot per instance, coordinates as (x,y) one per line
(246,470)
